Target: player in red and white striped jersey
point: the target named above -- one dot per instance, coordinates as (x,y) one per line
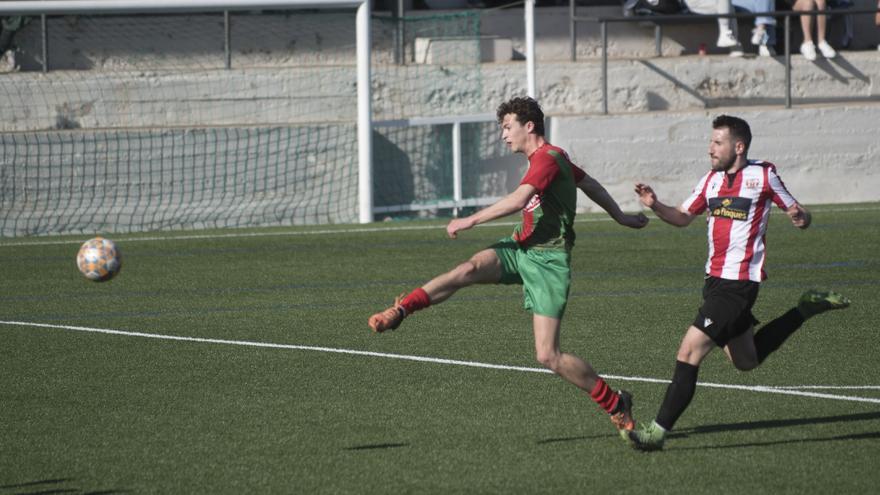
(738,204)
(736,195)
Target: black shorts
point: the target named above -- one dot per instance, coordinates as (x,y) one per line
(727,308)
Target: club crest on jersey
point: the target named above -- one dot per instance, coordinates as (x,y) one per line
(734,208)
(752,183)
(533,204)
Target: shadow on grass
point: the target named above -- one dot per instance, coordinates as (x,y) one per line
(775,423)
(751,425)
(35,484)
(855,436)
(780,423)
(375,446)
(53,486)
(574,439)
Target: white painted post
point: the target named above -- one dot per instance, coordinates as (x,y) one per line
(530,46)
(365,119)
(456,165)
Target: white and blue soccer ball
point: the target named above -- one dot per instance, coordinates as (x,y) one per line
(99,259)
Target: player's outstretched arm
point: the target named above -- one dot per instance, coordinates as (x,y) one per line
(668,214)
(515,201)
(800,216)
(599,195)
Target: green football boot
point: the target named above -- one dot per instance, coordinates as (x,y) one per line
(813,302)
(646,437)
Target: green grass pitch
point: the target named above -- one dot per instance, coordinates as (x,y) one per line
(91,412)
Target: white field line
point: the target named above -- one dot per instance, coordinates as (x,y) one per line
(425,359)
(353,230)
(827,387)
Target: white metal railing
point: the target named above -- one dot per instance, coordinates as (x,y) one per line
(457,201)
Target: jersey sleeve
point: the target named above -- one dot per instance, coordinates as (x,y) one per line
(542,171)
(696,203)
(578,173)
(778,192)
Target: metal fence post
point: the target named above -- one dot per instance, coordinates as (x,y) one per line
(604,29)
(787,61)
(227,40)
(44,35)
(572,30)
(456,167)
(658,39)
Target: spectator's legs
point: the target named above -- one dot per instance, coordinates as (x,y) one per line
(769,23)
(821,21)
(806,20)
(724,23)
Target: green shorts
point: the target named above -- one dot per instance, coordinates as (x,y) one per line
(545,275)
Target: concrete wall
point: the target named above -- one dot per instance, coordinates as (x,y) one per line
(825,154)
(290,95)
(196,41)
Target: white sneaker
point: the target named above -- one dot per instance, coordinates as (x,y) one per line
(826,49)
(758,35)
(726,39)
(766,51)
(808,50)
(737,51)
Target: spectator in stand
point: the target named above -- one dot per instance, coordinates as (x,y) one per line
(808,48)
(727,33)
(764,33)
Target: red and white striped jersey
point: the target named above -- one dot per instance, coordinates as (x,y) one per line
(737,209)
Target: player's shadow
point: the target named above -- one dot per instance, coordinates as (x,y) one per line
(775,423)
(751,425)
(35,484)
(874,435)
(47,486)
(377,446)
(780,423)
(578,438)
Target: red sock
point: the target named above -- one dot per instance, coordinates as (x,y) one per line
(416,300)
(604,396)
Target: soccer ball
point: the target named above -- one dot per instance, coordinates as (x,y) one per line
(99,259)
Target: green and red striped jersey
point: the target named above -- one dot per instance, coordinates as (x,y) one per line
(548,217)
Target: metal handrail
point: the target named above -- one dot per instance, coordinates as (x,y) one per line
(660,19)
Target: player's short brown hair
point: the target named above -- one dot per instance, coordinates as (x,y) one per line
(739,128)
(526,110)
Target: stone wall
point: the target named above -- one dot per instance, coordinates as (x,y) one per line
(825,154)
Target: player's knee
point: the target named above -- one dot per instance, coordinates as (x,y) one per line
(745,364)
(685,354)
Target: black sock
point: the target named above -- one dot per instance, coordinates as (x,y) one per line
(678,394)
(771,336)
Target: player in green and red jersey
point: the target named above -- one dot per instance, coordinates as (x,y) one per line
(537,256)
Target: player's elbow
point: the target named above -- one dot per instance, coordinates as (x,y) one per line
(684,219)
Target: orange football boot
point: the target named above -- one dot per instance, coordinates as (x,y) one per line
(390,318)
(623,418)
